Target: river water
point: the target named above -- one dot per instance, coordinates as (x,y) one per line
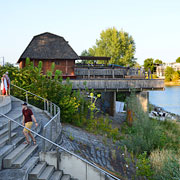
(169,99)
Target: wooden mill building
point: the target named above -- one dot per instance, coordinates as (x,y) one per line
(49,48)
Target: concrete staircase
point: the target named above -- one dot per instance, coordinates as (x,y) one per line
(42,171)
(20,161)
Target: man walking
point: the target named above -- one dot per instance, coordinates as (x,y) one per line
(27,122)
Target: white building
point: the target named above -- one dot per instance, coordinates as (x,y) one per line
(160,70)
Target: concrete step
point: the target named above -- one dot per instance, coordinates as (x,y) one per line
(10,158)
(3,132)
(29,165)
(4,152)
(36,172)
(4,140)
(56,175)
(17,141)
(5,104)
(21,160)
(15,113)
(1,126)
(47,173)
(66,177)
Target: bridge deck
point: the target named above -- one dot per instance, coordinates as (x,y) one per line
(119,84)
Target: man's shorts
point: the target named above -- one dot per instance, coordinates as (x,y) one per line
(28,125)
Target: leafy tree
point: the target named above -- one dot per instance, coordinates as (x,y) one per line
(86,53)
(137,65)
(118,45)
(149,64)
(175,76)
(7,64)
(169,73)
(157,61)
(178,60)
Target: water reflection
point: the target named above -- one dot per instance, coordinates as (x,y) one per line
(168,99)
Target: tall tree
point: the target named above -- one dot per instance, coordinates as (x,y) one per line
(149,64)
(158,61)
(178,60)
(118,45)
(169,71)
(86,53)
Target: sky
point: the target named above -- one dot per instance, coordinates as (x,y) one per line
(153,24)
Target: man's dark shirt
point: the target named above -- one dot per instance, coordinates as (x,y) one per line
(27,114)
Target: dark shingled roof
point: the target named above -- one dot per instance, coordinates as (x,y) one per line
(49,46)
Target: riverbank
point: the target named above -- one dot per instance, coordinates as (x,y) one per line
(172,83)
(159,113)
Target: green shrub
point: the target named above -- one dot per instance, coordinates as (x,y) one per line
(144,166)
(145,134)
(75,106)
(102,125)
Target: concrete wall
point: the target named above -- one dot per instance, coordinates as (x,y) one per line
(5,104)
(73,166)
(119,84)
(144,100)
(108,102)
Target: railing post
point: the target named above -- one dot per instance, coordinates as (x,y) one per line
(51,130)
(51,108)
(86,170)
(27,97)
(9,132)
(54,109)
(47,106)
(44,105)
(58,158)
(89,73)
(59,115)
(56,124)
(113,73)
(44,141)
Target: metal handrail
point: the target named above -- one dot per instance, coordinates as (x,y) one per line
(40,98)
(51,120)
(57,145)
(48,106)
(31,93)
(50,141)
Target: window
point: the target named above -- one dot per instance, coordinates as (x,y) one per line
(57,63)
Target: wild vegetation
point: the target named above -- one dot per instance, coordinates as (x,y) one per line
(154,144)
(76,107)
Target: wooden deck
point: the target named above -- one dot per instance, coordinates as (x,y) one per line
(119,84)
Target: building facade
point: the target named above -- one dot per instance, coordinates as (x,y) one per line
(160,70)
(50,48)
